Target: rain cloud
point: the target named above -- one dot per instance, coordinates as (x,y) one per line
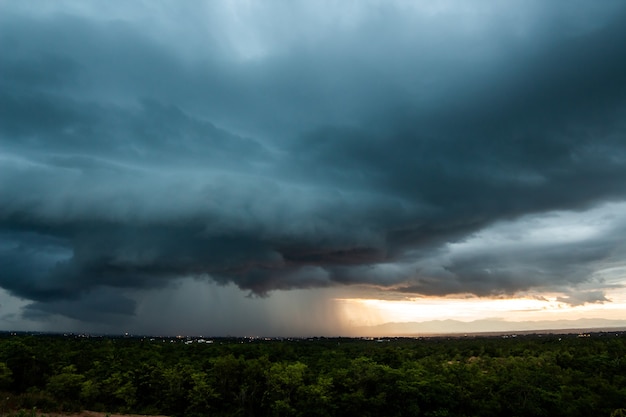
(413,149)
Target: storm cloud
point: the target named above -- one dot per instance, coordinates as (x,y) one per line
(416,149)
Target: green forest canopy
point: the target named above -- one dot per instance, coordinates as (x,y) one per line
(528,375)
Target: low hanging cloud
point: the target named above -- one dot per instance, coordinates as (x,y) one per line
(410,149)
(582,298)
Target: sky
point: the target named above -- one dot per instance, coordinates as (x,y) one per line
(310,167)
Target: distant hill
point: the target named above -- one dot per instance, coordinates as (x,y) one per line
(441,327)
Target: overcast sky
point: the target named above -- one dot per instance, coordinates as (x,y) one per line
(239,166)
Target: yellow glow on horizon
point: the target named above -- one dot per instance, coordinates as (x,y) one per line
(372,312)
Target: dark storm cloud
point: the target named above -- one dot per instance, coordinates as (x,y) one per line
(357,154)
(105,306)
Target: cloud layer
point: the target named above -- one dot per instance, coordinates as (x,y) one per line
(412,148)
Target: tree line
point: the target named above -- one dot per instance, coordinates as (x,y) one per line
(529,375)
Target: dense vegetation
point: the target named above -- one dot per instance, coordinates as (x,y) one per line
(534,375)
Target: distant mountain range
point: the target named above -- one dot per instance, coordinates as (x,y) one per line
(495,326)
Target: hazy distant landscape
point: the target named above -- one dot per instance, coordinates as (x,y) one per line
(443,327)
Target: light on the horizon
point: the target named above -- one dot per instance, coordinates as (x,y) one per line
(372,312)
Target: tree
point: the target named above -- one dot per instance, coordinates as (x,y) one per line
(66,387)
(6,376)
